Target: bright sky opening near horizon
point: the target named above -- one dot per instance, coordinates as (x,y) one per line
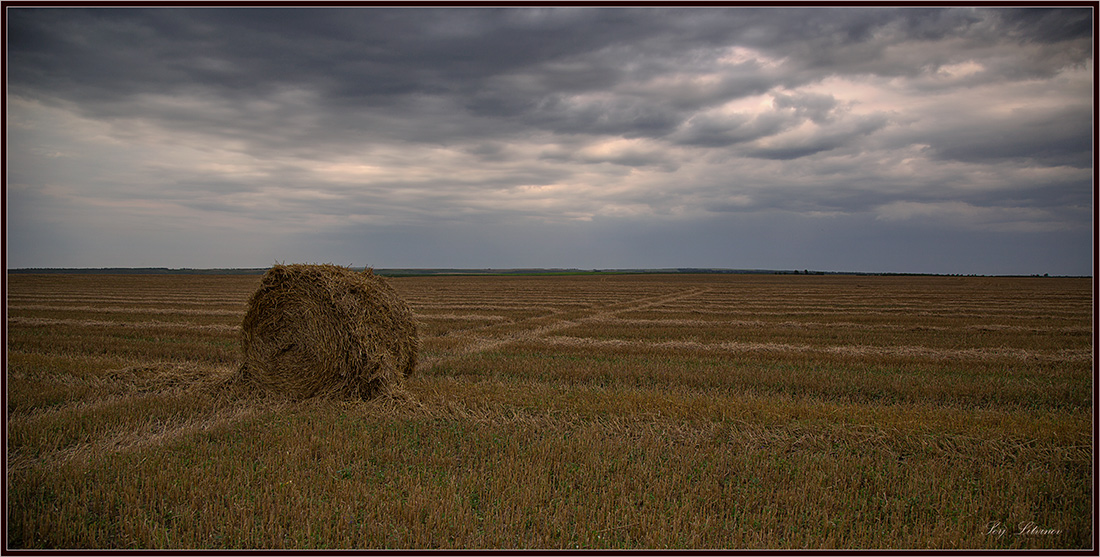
(871,139)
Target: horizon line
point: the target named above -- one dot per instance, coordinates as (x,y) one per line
(429,271)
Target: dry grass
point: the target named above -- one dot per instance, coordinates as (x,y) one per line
(564,412)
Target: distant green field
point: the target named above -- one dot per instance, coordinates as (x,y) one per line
(629,411)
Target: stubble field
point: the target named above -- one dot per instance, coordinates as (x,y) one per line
(613,411)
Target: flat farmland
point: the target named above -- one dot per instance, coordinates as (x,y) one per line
(595,411)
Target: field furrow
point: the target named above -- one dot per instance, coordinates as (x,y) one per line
(1080,355)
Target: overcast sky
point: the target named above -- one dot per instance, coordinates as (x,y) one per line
(949,140)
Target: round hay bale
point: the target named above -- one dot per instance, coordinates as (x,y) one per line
(326,330)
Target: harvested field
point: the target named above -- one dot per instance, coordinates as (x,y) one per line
(600,411)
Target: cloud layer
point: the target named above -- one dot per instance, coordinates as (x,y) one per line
(552,137)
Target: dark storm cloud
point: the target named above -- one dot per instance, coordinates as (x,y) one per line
(323,118)
(847,40)
(350,54)
(498,63)
(1050,138)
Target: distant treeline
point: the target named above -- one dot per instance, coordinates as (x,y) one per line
(411,272)
(140,271)
(453,272)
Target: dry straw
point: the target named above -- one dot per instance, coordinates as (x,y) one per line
(315,330)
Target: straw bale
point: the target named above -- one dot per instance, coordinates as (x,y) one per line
(315,330)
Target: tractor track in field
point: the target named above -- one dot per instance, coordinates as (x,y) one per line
(554,323)
(981,354)
(154,431)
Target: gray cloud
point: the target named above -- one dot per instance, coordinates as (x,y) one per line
(324,121)
(1049,138)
